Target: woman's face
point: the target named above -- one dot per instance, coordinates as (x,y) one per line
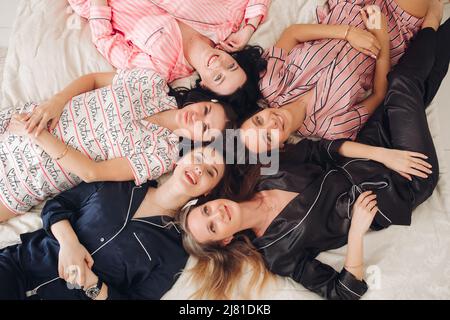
(220,73)
(199,171)
(201,121)
(214,221)
(266,130)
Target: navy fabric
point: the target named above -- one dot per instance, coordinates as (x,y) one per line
(136,258)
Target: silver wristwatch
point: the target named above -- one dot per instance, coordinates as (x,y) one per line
(93,291)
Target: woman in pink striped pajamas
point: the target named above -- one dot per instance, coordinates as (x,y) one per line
(103,127)
(177,37)
(318,76)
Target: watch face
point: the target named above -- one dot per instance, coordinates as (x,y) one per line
(93,292)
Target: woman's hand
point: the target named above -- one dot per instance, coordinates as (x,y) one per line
(406,163)
(44,113)
(375,21)
(364,41)
(237,40)
(363,212)
(17,125)
(74,263)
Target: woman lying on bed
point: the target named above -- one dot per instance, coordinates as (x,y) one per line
(318,76)
(175,38)
(104,127)
(320,200)
(116,240)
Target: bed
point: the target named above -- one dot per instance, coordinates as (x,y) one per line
(50,46)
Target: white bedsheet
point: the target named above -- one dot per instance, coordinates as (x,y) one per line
(50,47)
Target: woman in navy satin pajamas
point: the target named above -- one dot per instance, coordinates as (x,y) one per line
(137,252)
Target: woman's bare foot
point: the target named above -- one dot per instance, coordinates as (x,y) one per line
(434,15)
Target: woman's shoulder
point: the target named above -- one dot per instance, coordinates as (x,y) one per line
(142,78)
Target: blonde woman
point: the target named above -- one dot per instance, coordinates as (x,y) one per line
(320,200)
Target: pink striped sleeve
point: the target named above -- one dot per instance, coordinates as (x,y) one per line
(81,7)
(153,162)
(115,48)
(257,8)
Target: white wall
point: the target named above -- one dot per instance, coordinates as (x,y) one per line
(7,13)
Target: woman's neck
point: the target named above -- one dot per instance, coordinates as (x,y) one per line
(165,119)
(256,213)
(194,44)
(297,111)
(164,200)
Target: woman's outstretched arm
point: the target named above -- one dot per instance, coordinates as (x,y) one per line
(383,62)
(322,278)
(74,161)
(406,163)
(51,110)
(363,212)
(88,170)
(361,40)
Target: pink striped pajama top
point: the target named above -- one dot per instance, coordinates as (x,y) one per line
(145,33)
(102,124)
(339,75)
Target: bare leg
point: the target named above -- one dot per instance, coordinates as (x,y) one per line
(5,213)
(417,8)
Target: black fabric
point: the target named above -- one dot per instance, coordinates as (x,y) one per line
(12,277)
(318,219)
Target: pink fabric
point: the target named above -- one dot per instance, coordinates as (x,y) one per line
(339,75)
(144,33)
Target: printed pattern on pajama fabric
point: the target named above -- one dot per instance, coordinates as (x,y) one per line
(102,124)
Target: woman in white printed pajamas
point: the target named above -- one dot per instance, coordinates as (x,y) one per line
(104,127)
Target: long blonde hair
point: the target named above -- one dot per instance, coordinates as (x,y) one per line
(219,268)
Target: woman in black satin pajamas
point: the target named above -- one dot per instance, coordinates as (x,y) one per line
(327,186)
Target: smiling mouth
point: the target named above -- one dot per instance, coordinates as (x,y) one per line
(211,59)
(188,117)
(281,120)
(228,213)
(190,177)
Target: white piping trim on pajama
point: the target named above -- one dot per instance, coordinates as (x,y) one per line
(158,225)
(328,149)
(34,291)
(148,255)
(360,159)
(309,211)
(384,215)
(349,289)
(123,227)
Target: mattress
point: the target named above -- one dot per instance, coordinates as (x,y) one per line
(50,46)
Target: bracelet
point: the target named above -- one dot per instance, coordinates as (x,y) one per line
(250,25)
(347,32)
(62,154)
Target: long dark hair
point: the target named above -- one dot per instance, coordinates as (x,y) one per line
(185,97)
(244,99)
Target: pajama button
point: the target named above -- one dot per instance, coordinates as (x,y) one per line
(102,239)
